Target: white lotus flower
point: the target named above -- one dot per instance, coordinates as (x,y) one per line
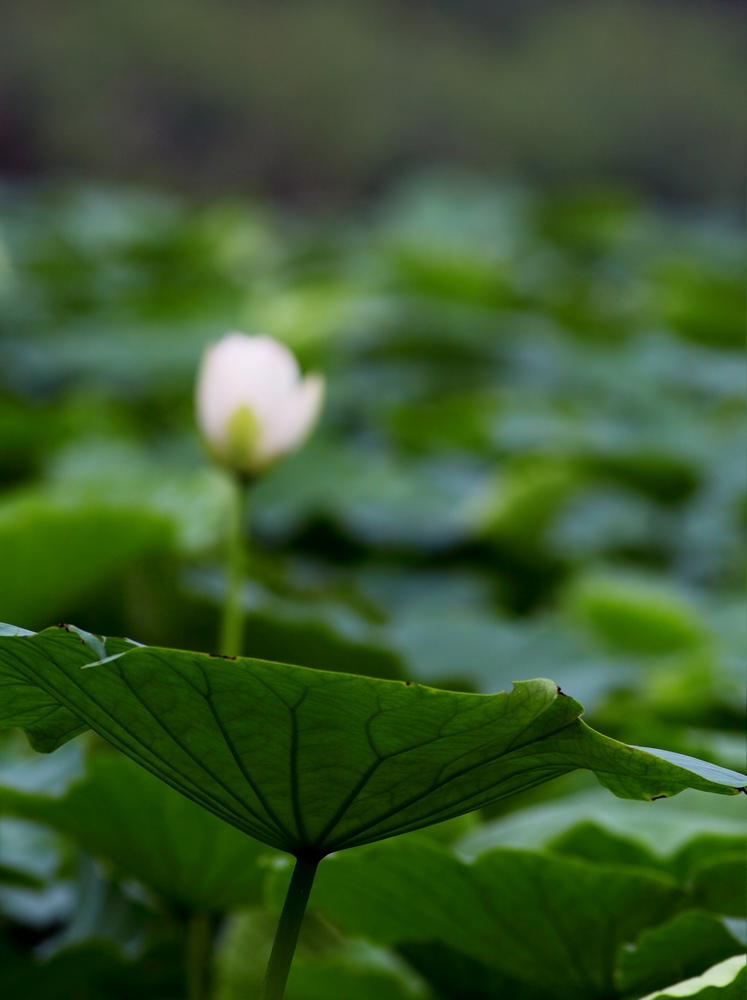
(252,404)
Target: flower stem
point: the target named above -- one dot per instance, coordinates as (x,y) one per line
(286,935)
(197,955)
(232,621)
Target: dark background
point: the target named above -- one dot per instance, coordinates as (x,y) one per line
(326,101)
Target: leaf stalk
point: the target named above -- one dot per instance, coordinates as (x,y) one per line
(198,948)
(232,619)
(288,930)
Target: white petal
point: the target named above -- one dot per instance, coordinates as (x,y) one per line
(268,369)
(299,414)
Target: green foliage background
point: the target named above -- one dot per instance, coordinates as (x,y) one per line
(530,464)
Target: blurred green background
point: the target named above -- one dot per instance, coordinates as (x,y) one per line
(509,236)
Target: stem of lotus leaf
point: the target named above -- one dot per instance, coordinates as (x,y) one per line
(198,949)
(232,621)
(288,930)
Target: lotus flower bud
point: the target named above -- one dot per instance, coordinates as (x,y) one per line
(252,404)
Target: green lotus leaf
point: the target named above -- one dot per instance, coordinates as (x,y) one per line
(447,970)
(311,761)
(712,865)
(24,704)
(677,834)
(724,981)
(553,924)
(678,949)
(719,884)
(55,554)
(182,852)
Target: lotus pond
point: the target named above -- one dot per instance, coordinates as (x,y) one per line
(525,500)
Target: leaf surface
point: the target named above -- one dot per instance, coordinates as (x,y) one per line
(26,705)
(551,923)
(719,884)
(688,827)
(123,814)
(311,761)
(712,866)
(54,554)
(724,981)
(447,970)
(681,948)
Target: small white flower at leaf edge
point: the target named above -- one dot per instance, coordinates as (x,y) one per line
(253,406)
